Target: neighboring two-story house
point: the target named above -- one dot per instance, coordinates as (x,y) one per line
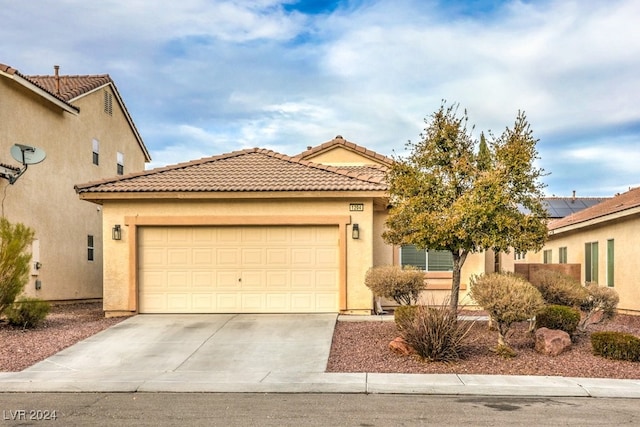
(83,126)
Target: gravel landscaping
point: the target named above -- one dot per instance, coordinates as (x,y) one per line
(356,347)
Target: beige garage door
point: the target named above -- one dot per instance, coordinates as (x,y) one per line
(270,269)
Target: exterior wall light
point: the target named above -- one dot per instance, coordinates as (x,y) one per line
(116,232)
(355,232)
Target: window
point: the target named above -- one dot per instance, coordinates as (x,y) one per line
(120,162)
(562,255)
(591,262)
(90,248)
(519,255)
(610,265)
(96,152)
(428,260)
(546,255)
(108,103)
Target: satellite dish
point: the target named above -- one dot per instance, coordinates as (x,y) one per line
(27,155)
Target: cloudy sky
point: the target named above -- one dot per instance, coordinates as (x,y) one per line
(205,77)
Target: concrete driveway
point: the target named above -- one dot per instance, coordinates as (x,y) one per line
(182,352)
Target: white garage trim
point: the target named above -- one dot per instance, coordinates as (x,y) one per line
(133,222)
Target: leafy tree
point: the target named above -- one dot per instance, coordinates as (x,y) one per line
(14,261)
(445,196)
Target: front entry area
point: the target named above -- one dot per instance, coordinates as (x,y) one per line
(238,269)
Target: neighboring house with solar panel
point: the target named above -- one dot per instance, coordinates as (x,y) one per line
(83,126)
(603,239)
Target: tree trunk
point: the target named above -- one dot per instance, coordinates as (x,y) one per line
(459,257)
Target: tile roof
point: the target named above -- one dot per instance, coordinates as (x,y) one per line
(66,88)
(250,170)
(619,203)
(339,141)
(71,87)
(14,72)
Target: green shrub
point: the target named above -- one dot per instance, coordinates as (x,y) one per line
(558,288)
(600,305)
(390,281)
(28,312)
(558,317)
(14,261)
(616,345)
(403,315)
(507,298)
(434,332)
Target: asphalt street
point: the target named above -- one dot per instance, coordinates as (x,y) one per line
(264,409)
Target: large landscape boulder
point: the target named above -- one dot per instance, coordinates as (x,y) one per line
(552,341)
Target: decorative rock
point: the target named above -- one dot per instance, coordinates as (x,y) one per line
(400,346)
(552,342)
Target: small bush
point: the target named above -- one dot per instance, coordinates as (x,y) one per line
(28,312)
(558,288)
(616,345)
(434,332)
(601,302)
(14,260)
(389,281)
(507,298)
(558,317)
(403,315)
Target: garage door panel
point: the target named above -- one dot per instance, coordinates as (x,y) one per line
(227,257)
(302,257)
(277,279)
(271,269)
(277,257)
(227,280)
(252,257)
(178,302)
(179,257)
(202,302)
(203,280)
(326,280)
(252,280)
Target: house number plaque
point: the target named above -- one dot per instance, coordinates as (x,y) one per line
(356,207)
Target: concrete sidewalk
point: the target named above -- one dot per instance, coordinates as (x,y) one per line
(255,353)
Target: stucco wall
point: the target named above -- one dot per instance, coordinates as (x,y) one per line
(44,198)
(626,235)
(119,297)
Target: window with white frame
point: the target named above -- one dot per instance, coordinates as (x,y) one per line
(96,152)
(120,163)
(546,256)
(427,260)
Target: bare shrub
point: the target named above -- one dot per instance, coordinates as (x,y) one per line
(434,332)
(390,281)
(558,288)
(507,298)
(600,305)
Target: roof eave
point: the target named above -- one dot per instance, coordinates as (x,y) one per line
(594,222)
(99,197)
(41,92)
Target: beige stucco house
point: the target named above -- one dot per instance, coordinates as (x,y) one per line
(603,239)
(82,125)
(252,231)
